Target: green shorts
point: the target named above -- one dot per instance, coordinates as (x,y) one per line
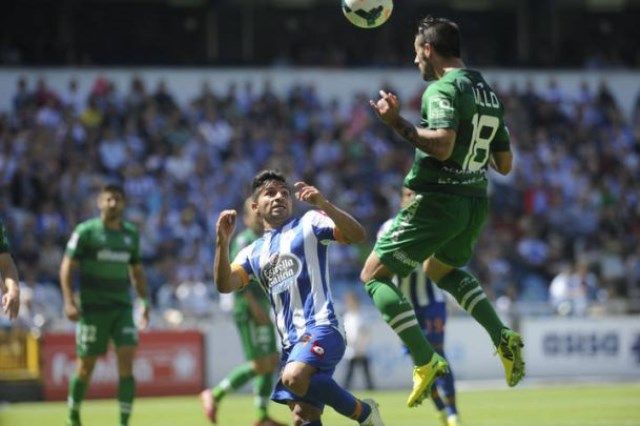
(96,328)
(258,341)
(443,225)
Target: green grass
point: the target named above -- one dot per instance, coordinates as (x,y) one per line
(583,405)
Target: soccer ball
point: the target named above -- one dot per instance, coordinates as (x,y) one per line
(367,13)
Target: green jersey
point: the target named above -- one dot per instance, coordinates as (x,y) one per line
(461,100)
(104,256)
(241,306)
(4,239)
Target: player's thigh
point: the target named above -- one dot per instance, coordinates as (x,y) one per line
(458,251)
(419,230)
(374,268)
(321,347)
(124,331)
(92,334)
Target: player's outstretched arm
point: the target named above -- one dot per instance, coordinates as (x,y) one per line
(9,285)
(226,278)
(66,270)
(438,143)
(350,228)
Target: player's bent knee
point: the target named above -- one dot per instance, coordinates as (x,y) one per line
(295,382)
(125,355)
(365,276)
(372,269)
(85,367)
(437,270)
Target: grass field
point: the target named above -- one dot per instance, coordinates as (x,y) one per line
(585,405)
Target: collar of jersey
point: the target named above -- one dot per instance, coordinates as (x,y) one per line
(279,228)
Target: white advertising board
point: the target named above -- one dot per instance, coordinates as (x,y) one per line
(583,347)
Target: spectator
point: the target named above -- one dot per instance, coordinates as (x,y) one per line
(358,340)
(573,193)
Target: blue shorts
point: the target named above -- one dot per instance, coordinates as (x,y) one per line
(321,347)
(432,319)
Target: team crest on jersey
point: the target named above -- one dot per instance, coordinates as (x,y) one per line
(440,108)
(281,271)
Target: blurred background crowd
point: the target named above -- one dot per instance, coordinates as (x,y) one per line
(562,235)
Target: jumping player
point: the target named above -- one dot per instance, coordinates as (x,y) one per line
(462,132)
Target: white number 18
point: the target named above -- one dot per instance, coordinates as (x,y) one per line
(478,154)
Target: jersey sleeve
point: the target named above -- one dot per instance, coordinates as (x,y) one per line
(323,227)
(4,239)
(242,265)
(384,228)
(439,106)
(75,245)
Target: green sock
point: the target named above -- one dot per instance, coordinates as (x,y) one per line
(469,294)
(238,377)
(399,314)
(126,392)
(262,391)
(77,389)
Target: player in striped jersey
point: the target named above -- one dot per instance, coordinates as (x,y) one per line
(290,263)
(430,306)
(257,335)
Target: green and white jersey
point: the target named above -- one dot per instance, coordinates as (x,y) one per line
(4,239)
(242,240)
(461,100)
(104,256)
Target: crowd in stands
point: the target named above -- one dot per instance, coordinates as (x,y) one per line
(568,213)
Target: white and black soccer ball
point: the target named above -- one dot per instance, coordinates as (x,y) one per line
(367,13)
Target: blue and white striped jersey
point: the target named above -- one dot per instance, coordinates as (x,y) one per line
(291,265)
(416,286)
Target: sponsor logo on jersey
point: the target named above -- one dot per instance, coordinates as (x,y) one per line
(107,255)
(281,272)
(402,257)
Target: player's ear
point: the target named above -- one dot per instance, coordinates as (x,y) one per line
(426,49)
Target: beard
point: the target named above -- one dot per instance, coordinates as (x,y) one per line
(428,72)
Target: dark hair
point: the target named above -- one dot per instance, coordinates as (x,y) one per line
(442,34)
(112,187)
(263,177)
